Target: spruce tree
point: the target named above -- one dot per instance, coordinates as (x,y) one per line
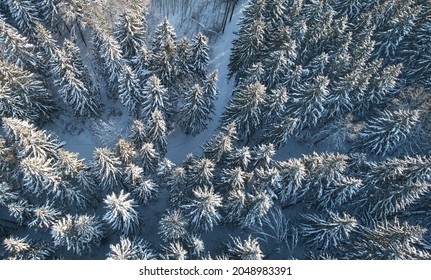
(25,16)
(121,213)
(202,173)
(155,98)
(245,109)
(23,95)
(194,113)
(383,134)
(130,32)
(221,144)
(328,231)
(31,142)
(135,249)
(73,79)
(109,51)
(164,34)
(129,90)
(17,49)
(307,102)
(199,56)
(72,14)
(173,226)
(248,249)
(156,132)
(202,209)
(183,53)
(150,158)
(77,233)
(137,133)
(107,168)
(246,49)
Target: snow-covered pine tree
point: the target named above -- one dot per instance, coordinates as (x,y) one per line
(199,54)
(156,132)
(415,56)
(210,90)
(202,209)
(196,247)
(137,133)
(217,148)
(182,56)
(46,44)
(20,211)
(233,179)
(202,173)
(44,216)
(194,113)
(246,49)
(107,168)
(293,174)
(383,85)
(130,31)
(140,62)
(277,66)
(135,249)
(177,185)
(275,104)
(31,142)
(326,171)
(155,98)
(27,249)
(245,109)
(149,157)
(384,134)
(173,226)
(257,205)
(145,191)
(248,249)
(235,206)
(109,52)
(7,194)
(327,231)
(24,14)
(394,184)
(23,95)
(72,78)
(307,102)
(49,12)
(38,175)
(262,156)
(142,188)
(77,233)
(133,174)
(163,53)
(164,34)
(125,151)
(16,49)
(278,133)
(239,157)
(73,18)
(390,241)
(129,90)
(121,213)
(399,18)
(175,251)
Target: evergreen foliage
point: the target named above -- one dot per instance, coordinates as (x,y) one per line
(130,32)
(121,213)
(202,209)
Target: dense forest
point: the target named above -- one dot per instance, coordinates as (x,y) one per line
(345,83)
